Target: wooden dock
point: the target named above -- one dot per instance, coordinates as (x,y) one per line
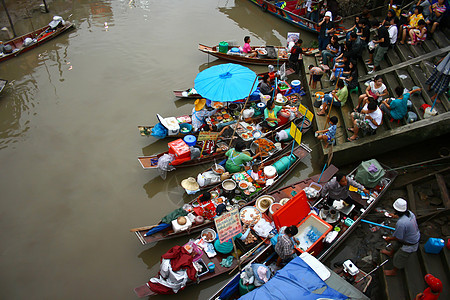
(407,66)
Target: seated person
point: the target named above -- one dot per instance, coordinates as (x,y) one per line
(257,173)
(315,75)
(336,98)
(412,24)
(285,246)
(338,189)
(328,135)
(199,114)
(265,87)
(205,197)
(368,120)
(355,28)
(341,67)
(437,11)
(352,79)
(418,34)
(398,107)
(247,49)
(375,90)
(270,115)
(237,159)
(332,50)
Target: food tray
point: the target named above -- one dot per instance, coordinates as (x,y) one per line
(250,215)
(246,247)
(265,153)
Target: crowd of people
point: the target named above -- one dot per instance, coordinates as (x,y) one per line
(339,59)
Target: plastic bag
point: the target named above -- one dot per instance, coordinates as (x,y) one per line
(164,164)
(195,152)
(159,131)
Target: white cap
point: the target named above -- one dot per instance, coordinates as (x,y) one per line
(400,205)
(329,14)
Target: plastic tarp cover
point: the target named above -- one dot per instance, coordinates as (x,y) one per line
(369,173)
(295,281)
(159,131)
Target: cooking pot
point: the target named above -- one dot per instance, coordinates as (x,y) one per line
(270,172)
(229,185)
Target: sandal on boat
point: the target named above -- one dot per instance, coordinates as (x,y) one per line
(350,129)
(321,114)
(351,140)
(411,43)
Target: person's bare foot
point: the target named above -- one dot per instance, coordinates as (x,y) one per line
(388,253)
(390,272)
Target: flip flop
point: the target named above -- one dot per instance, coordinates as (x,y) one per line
(350,129)
(321,114)
(351,140)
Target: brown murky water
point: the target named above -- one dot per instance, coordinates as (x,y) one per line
(71,186)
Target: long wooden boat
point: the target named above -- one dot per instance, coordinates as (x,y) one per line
(355,214)
(145,291)
(39,37)
(291,14)
(299,152)
(280,52)
(3,83)
(151,162)
(268,256)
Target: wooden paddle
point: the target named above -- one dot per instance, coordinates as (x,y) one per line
(247,255)
(143,228)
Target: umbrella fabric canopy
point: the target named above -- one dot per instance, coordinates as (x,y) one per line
(226,82)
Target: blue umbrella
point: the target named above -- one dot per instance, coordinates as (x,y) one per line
(226,82)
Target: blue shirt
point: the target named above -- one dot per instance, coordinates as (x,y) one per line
(331,133)
(407,230)
(399,107)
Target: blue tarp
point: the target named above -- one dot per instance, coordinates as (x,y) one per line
(156,229)
(295,281)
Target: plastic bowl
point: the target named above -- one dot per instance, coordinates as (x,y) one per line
(214,234)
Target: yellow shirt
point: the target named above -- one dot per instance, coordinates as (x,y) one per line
(414,19)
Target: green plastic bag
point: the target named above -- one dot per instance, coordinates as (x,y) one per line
(369,173)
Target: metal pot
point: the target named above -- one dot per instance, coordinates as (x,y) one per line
(229,185)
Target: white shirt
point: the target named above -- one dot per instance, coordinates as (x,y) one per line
(393,32)
(376,115)
(375,90)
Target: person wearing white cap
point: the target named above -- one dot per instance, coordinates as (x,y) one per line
(326,29)
(405,239)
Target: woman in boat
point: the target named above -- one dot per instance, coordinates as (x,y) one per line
(270,115)
(247,49)
(236,159)
(265,87)
(199,114)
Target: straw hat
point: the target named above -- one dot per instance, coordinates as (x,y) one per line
(190,184)
(263,203)
(199,104)
(181,221)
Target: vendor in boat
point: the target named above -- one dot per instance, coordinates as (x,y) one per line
(237,159)
(199,114)
(257,173)
(338,189)
(285,246)
(265,87)
(247,49)
(270,115)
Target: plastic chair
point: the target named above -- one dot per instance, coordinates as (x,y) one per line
(356,90)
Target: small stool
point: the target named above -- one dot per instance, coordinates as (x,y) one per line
(356,89)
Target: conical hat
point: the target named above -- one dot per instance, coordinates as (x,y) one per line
(263,203)
(190,184)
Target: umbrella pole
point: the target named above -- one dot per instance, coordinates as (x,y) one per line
(245,104)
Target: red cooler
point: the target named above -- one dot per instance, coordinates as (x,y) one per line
(297,212)
(284,115)
(181,151)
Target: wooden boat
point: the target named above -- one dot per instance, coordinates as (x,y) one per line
(3,83)
(300,152)
(38,36)
(145,291)
(151,162)
(291,14)
(257,60)
(354,214)
(336,281)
